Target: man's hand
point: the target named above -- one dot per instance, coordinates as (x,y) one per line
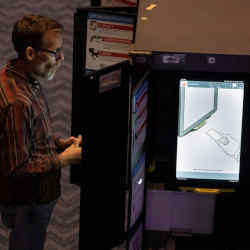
(71,140)
(73,153)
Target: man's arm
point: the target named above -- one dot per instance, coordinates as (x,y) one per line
(23,156)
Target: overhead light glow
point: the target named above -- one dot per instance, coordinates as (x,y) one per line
(151,6)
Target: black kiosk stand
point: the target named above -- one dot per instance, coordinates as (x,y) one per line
(184,154)
(103,102)
(109,109)
(112,174)
(104,111)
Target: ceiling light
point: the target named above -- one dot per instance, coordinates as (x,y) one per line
(151,6)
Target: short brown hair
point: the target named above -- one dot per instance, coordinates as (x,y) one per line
(29,31)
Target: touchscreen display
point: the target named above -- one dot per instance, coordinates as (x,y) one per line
(209,129)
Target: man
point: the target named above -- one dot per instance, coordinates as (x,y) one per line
(31,157)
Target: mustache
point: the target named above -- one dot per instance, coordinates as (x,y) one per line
(50,66)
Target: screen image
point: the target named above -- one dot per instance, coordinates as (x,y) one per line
(205,94)
(110,80)
(118,3)
(109,38)
(209,129)
(136,242)
(138,182)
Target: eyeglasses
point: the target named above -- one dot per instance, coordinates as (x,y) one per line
(57,53)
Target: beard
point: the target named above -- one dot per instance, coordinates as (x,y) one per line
(50,75)
(47,71)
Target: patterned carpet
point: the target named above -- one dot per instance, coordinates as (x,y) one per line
(64,226)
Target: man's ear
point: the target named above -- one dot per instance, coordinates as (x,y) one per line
(30,53)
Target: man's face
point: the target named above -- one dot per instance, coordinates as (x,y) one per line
(46,63)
